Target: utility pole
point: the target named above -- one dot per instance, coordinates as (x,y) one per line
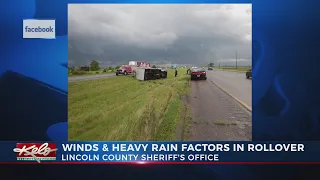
(219,64)
(236,59)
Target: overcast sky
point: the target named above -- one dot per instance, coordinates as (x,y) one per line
(183,34)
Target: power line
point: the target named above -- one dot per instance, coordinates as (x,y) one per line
(236,59)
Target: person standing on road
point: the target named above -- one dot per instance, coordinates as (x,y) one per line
(175,73)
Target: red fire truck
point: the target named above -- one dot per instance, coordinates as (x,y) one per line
(131,67)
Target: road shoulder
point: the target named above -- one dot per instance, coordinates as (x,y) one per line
(217,116)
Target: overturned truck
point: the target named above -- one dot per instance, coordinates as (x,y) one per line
(144,74)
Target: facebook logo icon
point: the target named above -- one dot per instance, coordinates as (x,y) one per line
(44,29)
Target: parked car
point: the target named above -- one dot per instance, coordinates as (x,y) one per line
(249,74)
(210,68)
(198,73)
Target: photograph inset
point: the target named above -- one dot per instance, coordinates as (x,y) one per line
(159,72)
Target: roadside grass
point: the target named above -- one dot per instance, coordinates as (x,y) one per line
(92,73)
(125,109)
(234,69)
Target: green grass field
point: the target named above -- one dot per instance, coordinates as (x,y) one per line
(231,68)
(123,108)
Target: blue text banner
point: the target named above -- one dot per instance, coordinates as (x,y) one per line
(161,152)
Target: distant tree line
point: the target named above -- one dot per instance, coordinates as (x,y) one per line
(94,66)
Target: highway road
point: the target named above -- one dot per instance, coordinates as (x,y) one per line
(91,77)
(217,115)
(234,83)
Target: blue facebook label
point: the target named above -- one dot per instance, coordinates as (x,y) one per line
(44,29)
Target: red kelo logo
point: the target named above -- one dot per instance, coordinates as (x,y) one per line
(36,152)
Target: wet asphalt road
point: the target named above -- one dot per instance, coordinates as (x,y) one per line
(215,114)
(235,83)
(92,77)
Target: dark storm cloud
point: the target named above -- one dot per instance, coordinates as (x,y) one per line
(187,34)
